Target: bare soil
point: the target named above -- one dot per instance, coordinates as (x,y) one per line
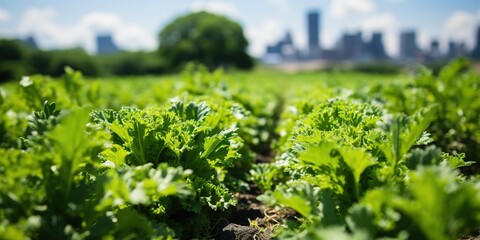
(252,219)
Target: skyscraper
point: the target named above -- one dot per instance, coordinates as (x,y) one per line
(351,46)
(408,45)
(376,46)
(313,25)
(456,49)
(105,44)
(434,46)
(284,47)
(434,49)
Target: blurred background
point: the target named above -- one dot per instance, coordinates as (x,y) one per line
(118,37)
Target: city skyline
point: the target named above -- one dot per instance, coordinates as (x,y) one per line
(358,48)
(135,27)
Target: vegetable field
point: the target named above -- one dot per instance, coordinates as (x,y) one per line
(226,156)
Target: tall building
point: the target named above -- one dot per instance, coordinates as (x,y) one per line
(377,50)
(105,44)
(435,49)
(476,50)
(434,46)
(313,26)
(408,45)
(284,48)
(456,49)
(351,46)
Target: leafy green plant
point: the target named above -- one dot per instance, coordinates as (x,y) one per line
(67,194)
(187,135)
(342,156)
(455,93)
(89,159)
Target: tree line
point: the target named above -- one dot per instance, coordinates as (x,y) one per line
(200,37)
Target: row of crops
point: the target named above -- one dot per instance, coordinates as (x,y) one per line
(175,158)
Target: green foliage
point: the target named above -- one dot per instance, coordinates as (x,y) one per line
(66,194)
(13,56)
(75,58)
(12,124)
(18,60)
(377,67)
(403,133)
(256,131)
(164,159)
(356,171)
(266,176)
(71,91)
(439,205)
(40,123)
(206,38)
(130,63)
(193,136)
(121,175)
(455,93)
(435,205)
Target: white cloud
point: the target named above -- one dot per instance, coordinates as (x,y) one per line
(36,16)
(424,38)
(299,38)
(99,21)
(280,4)
(126,35)
(262,35)
(41,23)
(342,8)
(382,21)
(4,15)
(387,24)
(458,19)
(461,26)
(223,8)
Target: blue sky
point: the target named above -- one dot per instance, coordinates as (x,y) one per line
(135,24)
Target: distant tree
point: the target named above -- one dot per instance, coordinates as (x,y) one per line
(12,49)
(130,63)
(75,58)
(206,38)
(13,55)
(39,62)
